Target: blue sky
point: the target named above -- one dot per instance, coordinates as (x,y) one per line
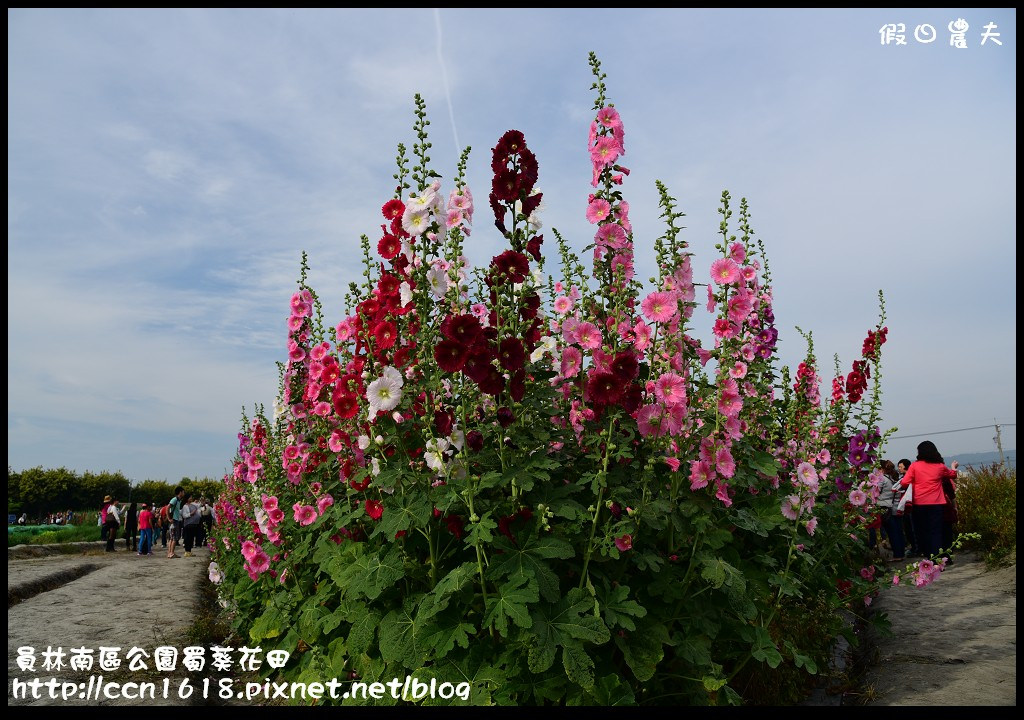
(166,169)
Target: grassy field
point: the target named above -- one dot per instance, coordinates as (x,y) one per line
(48,534)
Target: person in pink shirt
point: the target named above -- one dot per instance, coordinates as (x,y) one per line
(145,530)
(925,477)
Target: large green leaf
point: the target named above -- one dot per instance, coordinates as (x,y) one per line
(510,603)
(403,637)
(528,561)
(618,609)
(567,625)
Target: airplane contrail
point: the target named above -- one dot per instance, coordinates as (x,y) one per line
(444,77)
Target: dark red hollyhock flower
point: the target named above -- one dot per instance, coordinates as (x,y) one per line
(385,334)
(510,143)
(632,397)
(511,355)
(505,526)
(455,526)
(475,440)
(505,417)
(451,355)
(403,354)
(517,385)
(393,209)
(443,422)
(389,246)
(506,185)
(532,335)
(461,328)
(499,214)
(374,509)
(530,305)
(493,382)
(534,243)
(511,265)
(528,170)
(346,404)
(603,388)
(624,366)
(478,364)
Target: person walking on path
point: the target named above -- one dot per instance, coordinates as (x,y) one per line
(892,523)
(131,527)
(192,521)
(145,530)
(924,479)
(908,518)
(174,512)
(111,521)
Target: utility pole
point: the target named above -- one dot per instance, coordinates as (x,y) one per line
(999,445)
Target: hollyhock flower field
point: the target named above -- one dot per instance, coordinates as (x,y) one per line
(532,477)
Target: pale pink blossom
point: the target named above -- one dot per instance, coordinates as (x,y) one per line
(791,507)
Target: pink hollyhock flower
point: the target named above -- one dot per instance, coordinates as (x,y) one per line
(323,503)
(249,548)
(650,421)
(748,273)
(642,335)
(824,457)
(624,542)
(605,152)
(259,562)
(724,329)
(857,497)
(347,329)
(670,389)
(738,370)
(806,474)
(672,463)
(269,502)
(730,404)
(722,493)
(275,516)
(334,443)
(791,507)
(700,474)
(304,514)
(588,336)
(738,253)
(598,210)
(704,355)
(896,579)
(724,463)
(724,271)
(660,306)
(563,305)
(609,117)
(811,525)
(572,361)
(867,599)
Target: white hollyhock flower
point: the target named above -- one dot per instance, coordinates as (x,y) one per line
(384,394)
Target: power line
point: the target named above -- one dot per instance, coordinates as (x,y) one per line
(946,432)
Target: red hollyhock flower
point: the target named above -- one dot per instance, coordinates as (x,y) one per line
(475,440)
(389,246)
(451,355)
(478,363)
(505,417)
(388,284)
(461,328)
(443,422)
(385,334)
(346,404)
(506,185)
(624,366)
(493,382)
(531,303)
(534,243)
(511,355)
(455,525)
(374,509)
(517,386)
(393,209)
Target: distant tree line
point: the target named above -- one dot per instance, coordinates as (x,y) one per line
(37,491)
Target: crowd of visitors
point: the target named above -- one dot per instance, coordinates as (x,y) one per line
(182,520)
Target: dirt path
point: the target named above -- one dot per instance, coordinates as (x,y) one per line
(96,599)
(954,642)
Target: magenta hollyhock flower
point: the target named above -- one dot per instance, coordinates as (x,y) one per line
(259,562)
(598,210)
(660,306)
(304,514)
(249,549)
(275,516)
(624,542)
(724,271)
(896,579)
(269,502)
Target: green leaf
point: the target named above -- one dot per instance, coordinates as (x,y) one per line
(528,561)
(801,660)
(403,637)
(567,625)
(618,610)
(643,649)
(764,649)
(610,691)
(510,604)
(360,635)
(404,512)
(267,625)
(480,532)
(446,631)
(763,462)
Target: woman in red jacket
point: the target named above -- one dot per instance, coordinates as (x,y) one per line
(926,476)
